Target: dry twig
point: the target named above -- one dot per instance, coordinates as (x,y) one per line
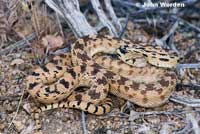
(184,66)
(112,14)
(10,98)
(70,11)
(102,17)
(195,126)
(134,115)
(185,101)
(18,45)
(84,122)
(163,40)
(18,106)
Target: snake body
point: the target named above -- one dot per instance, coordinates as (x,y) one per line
(54,83)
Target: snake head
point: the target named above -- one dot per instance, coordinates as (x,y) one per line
(122,50)
(124,54)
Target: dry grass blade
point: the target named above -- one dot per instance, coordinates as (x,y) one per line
(185,101)
(18,106)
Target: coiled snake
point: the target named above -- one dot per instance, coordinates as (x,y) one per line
(53,84)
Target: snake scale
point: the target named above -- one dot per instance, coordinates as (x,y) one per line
(54,84)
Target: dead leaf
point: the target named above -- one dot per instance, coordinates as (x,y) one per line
(52,42)
(17,62)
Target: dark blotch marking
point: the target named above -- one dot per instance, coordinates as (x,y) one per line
(56,90)
(45,69)
(104,109)
(120,62)
(122,80)
(63,56)
(150,87)
(72,83)
(96,109)
(32,85)
(174,76)
(144,55)
(103,81)
(143,92)
(51,105)
(39,129)
(130,72)
(65,83)
(88,105)
(54,76)
(54,96)
(145,100)
(83,68)
(135,85)
(93,94)
(95,65)
(141,48)
(109,44)
(109,75)
(47,90)
(55,72)
(148,51)
(162,97)
(163,59)
(164,83)
(126,42)
(37,94)
(55,61)
(78,45)
(94,71)
(35,74)
(126,88)
(86,38)
(94,45)
(59,67)
(84,57)
(113,81)
(78,103)
(105,90)
(109,104)
(56,99)
(78,97)
(130,96)
(104,58)
(172,82)
(159,90)
(72,72)
(153,54)
(163,54)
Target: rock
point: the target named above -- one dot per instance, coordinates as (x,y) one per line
(17,62)
(18,125)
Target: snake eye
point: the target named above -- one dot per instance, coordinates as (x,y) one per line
(123,50)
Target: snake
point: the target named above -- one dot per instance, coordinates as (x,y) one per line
(54,84)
